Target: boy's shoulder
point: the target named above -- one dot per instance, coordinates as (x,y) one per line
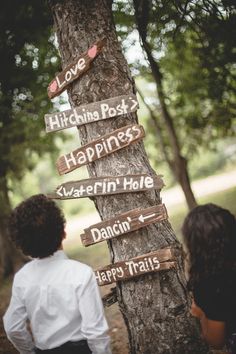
(23,269)
(21,275)
(67,265)
(77,270)
(77,265)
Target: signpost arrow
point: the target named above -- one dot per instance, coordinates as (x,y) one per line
(107,186)
(92,112)
(143,218)
(123,224)
(134,105)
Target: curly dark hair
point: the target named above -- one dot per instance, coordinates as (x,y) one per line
(37,226)
(210,236)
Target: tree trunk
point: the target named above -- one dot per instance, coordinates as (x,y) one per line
(180,170)
(155,307)
(179,162)
(6,247)
(178,166)
(158,130)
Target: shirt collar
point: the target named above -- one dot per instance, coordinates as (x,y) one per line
(60,254)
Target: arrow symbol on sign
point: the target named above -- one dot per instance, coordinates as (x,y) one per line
(59,190)
(134,105)
(143,218)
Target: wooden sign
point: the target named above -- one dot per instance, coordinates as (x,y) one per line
(124,223)
(107,185)
(110,298)
(74,70)
(151,262)
(92,112)
(101,147)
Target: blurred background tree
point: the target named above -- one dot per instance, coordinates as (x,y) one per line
(189,54)
(28,60)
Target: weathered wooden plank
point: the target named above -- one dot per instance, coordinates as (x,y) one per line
(92,112)
(151,262)
(101,147)
(107,186)
(110,298)
(123,224)
(74,70)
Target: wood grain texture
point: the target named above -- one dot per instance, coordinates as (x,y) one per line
(123,224)
(162,259)
(78,67)
(93,112)
(110,298)
(99,148)
(107,186)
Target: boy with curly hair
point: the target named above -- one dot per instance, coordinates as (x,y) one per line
(55,305)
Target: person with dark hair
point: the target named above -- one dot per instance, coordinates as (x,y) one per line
(55,305)
(210,237)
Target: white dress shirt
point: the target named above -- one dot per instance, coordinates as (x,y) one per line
(61,300)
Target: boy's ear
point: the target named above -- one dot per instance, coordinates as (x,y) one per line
(64,234)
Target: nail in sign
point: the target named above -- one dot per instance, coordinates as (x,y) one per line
(124,223)
(92,112)
(74,70)
(99,148)
(107,186)
(148,263)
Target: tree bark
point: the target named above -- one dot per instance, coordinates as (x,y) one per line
(155,307)
(6,248)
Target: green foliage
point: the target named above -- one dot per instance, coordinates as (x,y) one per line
(221,157)
(198,65)
(44,178)
(28,60)
(203,105)
(194,45)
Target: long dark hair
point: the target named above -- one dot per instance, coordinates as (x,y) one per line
(210,237)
